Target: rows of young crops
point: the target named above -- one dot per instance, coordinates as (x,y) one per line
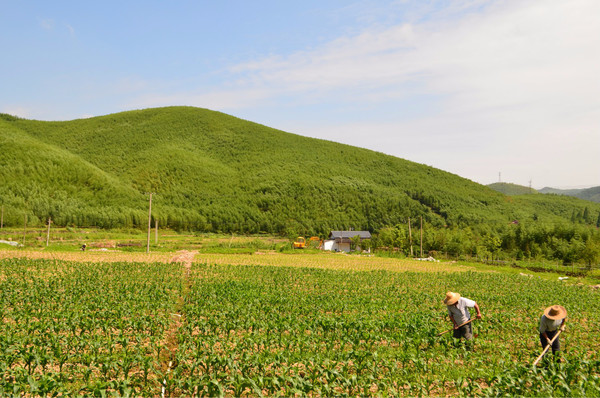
(83,328)
(250,330)
(254,330)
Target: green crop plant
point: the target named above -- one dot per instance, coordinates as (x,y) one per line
(311,331)
(80,328)
(69,326)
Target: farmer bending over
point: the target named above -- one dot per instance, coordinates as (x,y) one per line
(458,309)
(553,319)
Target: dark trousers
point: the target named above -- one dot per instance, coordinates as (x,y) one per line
(465,331)
(555,344)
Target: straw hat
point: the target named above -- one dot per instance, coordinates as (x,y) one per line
(451,298)
(555,312)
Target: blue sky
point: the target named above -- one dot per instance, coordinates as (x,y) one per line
(473,87)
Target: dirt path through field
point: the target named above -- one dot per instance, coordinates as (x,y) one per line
(177,318)
(187,258)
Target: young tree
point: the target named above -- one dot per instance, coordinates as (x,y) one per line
(366,245)
(355,242)
(493,244)
(386,237)
(591,252)
(587,218)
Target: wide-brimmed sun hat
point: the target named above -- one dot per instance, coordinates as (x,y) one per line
(451,298)
(555,312)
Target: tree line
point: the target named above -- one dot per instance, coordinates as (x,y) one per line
(563,242)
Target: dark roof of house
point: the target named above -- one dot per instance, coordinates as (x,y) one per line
(349,234)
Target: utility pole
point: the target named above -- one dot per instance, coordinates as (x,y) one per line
(421,217)
(410,238)
(149,224)
(48,234)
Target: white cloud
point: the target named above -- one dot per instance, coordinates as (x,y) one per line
(367,60)
(514,54)
(46,23)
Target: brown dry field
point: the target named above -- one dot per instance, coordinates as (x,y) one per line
(328,260)
(90,256)
(325,260)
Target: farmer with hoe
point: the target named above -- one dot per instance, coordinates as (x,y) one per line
(551,322)
(458,309)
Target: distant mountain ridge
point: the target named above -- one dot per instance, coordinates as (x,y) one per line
(210,171)
(592,194)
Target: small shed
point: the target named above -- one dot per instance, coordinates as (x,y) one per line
(341,240)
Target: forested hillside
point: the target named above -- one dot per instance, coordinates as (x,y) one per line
(511,189)
(213,172)
(592,194)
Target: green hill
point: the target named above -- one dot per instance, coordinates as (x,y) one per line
(591,194)
(511,189)
(214,172)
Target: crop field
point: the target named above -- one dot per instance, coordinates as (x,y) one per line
(332,261)
(291,326)
(89,256)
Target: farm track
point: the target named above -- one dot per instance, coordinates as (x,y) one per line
(168,361)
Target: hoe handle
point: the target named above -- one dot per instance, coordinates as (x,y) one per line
(547,347)
(462,324)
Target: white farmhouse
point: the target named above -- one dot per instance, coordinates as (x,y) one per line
(339,241)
